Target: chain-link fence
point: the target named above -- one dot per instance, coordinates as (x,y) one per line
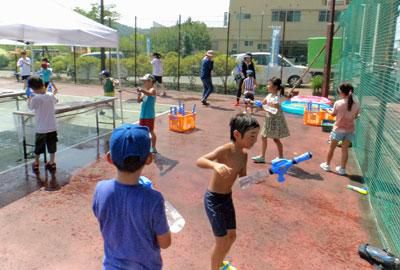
(182,42)
(370,61)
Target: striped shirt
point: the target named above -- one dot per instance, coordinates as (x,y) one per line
(249,84)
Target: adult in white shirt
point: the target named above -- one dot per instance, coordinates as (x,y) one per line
(158,71)
(24,63)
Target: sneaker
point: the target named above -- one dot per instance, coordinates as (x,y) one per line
(205,103)
(227,266)
(325,167)
(51,167)
(153,150)
(256,157)
(244,112)
(340,170)
(259,159)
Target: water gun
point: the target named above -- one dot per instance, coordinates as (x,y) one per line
(381,259)
(362,191)
(280,166)
(258,103)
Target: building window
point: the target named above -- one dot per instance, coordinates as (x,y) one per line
(324,15)
(261,46)
(244,16)
(291,15)
(248,43)
(234,46)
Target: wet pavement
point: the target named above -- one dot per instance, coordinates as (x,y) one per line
(311,221)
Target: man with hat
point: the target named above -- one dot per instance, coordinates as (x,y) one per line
(207,65)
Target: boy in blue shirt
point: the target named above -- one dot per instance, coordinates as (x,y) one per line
(147,96)
(132,217)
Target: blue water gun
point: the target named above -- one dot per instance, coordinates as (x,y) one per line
(280,166)
(258,103)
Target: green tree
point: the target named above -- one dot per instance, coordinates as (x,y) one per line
(220,66)
(94,12)
(195,37)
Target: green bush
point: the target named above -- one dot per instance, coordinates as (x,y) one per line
(4,60)
(88,68)
(316,84)
(60,63)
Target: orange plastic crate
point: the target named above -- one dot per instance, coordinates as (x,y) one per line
(315,118)
(182,123)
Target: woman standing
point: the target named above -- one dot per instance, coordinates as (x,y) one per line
(158,71)
(247,64)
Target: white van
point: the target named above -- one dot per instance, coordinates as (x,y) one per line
(106,53)
(291,73)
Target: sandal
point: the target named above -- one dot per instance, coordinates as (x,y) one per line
(259,159)
(51,167)
(35,168)
(227,266)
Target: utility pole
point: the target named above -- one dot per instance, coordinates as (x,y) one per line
(283,45)
(109,49)
(135,51)
(102,50)
(262,30)
(328,53)
(179,53)
(227,53)
(240,28)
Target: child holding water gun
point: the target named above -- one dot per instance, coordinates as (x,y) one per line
(147,96)
(227,162)
(275,126)
(346,110)
(248,89)
(45,74)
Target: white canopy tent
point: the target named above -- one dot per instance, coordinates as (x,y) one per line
(49,22)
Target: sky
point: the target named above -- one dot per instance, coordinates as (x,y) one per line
(165,12)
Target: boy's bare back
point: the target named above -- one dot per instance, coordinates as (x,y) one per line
(231,163)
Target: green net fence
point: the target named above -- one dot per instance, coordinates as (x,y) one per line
(370,60)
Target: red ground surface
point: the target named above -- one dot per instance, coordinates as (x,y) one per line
(311,221)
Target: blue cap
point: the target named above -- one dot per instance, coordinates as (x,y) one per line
(129,140)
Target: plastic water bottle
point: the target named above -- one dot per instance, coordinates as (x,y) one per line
(175,220)
(171,110)
(28,92)
(50,88)
(183,109)
(175,111)
(194,108)
(258,177)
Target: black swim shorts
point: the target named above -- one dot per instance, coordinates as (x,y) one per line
(220,212)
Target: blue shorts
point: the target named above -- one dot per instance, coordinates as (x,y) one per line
(342,136)
(220,212)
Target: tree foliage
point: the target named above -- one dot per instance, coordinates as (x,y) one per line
(94,12)
(194,38)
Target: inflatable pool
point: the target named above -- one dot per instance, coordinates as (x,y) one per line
(290,106)
(313,99)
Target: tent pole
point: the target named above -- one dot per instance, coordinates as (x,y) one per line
(74,49)
(33,60)
(120,86)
